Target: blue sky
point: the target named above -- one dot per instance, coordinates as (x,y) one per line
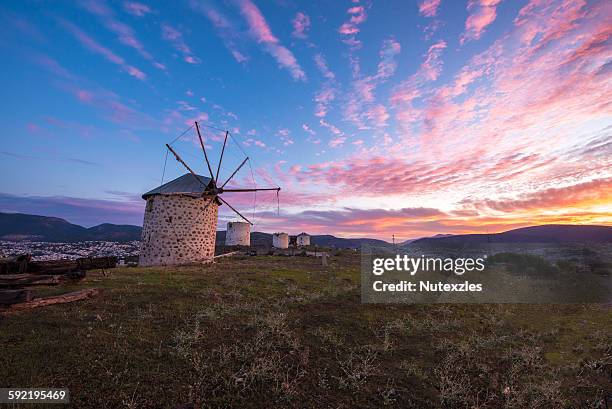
(323,96)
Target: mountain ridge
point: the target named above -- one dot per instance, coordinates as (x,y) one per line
(548,233)
(20,226)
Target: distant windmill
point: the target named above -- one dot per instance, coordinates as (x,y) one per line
(180,221)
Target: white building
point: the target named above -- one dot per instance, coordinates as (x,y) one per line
(180,223)
(280,240)
(302,240)
(238,234)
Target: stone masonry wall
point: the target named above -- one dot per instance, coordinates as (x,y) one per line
(176,230)
(238,234)
(303,240)
(280,240)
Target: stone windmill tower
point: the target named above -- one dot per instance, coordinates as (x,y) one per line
(180,220)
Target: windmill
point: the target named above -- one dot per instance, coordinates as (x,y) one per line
(212,189)
(180,220)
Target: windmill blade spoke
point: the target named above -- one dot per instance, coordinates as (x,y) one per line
(236,171)
(237,212)
(204,150)
(252,190)
(178,158)
(221,158)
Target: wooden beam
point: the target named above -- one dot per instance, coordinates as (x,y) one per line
(60,299)
(236,211)
(21,280)
(11,266)
(204,149)
(15,296)
(178,158)
(236,171)
(252,190)
(221,158)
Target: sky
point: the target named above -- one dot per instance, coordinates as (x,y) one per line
(376,118)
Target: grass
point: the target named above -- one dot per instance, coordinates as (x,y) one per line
(286,332)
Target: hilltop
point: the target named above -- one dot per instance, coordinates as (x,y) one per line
(19,227)
(551,233)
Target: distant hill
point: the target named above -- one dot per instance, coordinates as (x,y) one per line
(420,238)
(327,240)
(18,227)
(259,239)
(551,233)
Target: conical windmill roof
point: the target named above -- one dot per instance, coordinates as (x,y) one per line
(183,185)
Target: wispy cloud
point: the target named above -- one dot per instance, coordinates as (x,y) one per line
(572,197)
(429,70)
(285,136)
(482,13)
(95,47)
(262,33)
(301,24)
(327,93)
(125,34)
(361,108)
(429,8)
(175,37)
(225,29)
(136,9)
(351,28)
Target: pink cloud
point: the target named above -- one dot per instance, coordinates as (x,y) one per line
(337,142)
(323,98)
(333,129)
(360,108)
(429,70)
(285,136)
(32,128)
(327,93)
(429,8)
(256,142)
(308,129)
(125,33)
(224,28)
(350,28)
(263,34)
(84,96)
(136,9)
(598,191)
(301,24)
(432,66)
(482,14)
(323,68)
(109,105)
(52,65)
(97,48)
(175,37)
(377,115)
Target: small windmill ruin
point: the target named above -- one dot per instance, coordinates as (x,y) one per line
(180,220)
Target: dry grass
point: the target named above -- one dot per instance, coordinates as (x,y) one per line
(284,332)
